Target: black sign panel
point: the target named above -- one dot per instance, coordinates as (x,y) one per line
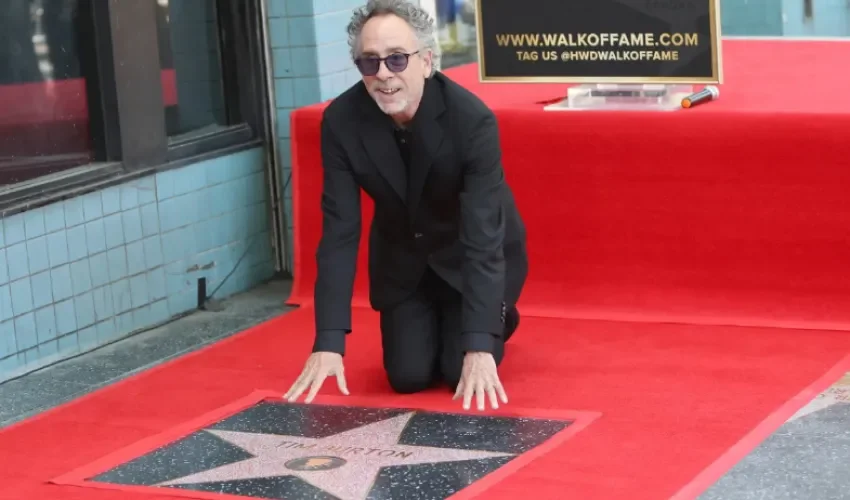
(628,41)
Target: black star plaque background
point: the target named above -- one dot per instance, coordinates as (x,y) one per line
(268,449)
(570,41)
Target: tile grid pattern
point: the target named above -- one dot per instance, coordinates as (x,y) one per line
(84,272)
(311,64)
(752,17)
(829,18)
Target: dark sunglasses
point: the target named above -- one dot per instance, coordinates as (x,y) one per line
(396,63)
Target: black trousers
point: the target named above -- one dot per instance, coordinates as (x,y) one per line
(421,337)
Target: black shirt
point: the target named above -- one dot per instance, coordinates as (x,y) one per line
(403,139)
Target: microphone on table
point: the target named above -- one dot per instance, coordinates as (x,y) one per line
(709,93)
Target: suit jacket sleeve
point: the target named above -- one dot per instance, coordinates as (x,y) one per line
(482,233)
(336,257)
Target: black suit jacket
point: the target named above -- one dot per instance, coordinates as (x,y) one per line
(453,212)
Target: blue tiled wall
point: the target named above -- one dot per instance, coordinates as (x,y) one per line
(311,63)
(84,272)
(751,17)
(829,18)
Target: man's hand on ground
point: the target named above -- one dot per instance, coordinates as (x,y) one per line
(480,377)
(319,366)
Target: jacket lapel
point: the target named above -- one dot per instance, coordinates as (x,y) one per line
(427,140)
(376,133)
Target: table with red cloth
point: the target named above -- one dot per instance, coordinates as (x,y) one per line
(734,212)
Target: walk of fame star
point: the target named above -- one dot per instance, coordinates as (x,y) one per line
(344,465)
(259,447)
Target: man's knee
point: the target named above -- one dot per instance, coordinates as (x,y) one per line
(406,380)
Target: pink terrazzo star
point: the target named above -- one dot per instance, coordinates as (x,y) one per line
(344,465)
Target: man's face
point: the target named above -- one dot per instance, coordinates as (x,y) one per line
(397,93)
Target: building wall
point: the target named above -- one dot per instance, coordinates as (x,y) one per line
(84,272)
(829,18)
(311,63)
(751,17)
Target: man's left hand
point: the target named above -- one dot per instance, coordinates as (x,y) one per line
(480,377)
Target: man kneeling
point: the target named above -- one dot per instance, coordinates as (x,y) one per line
(447,257)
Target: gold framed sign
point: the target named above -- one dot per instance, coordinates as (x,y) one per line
(599,41)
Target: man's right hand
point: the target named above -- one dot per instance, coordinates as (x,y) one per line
(319,366)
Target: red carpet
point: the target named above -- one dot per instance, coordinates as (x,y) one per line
(734,213)
(673,399)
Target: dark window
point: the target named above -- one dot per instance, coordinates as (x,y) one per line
(93,92)
(45,67)
(190,58)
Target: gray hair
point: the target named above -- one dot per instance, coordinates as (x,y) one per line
(418,19)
